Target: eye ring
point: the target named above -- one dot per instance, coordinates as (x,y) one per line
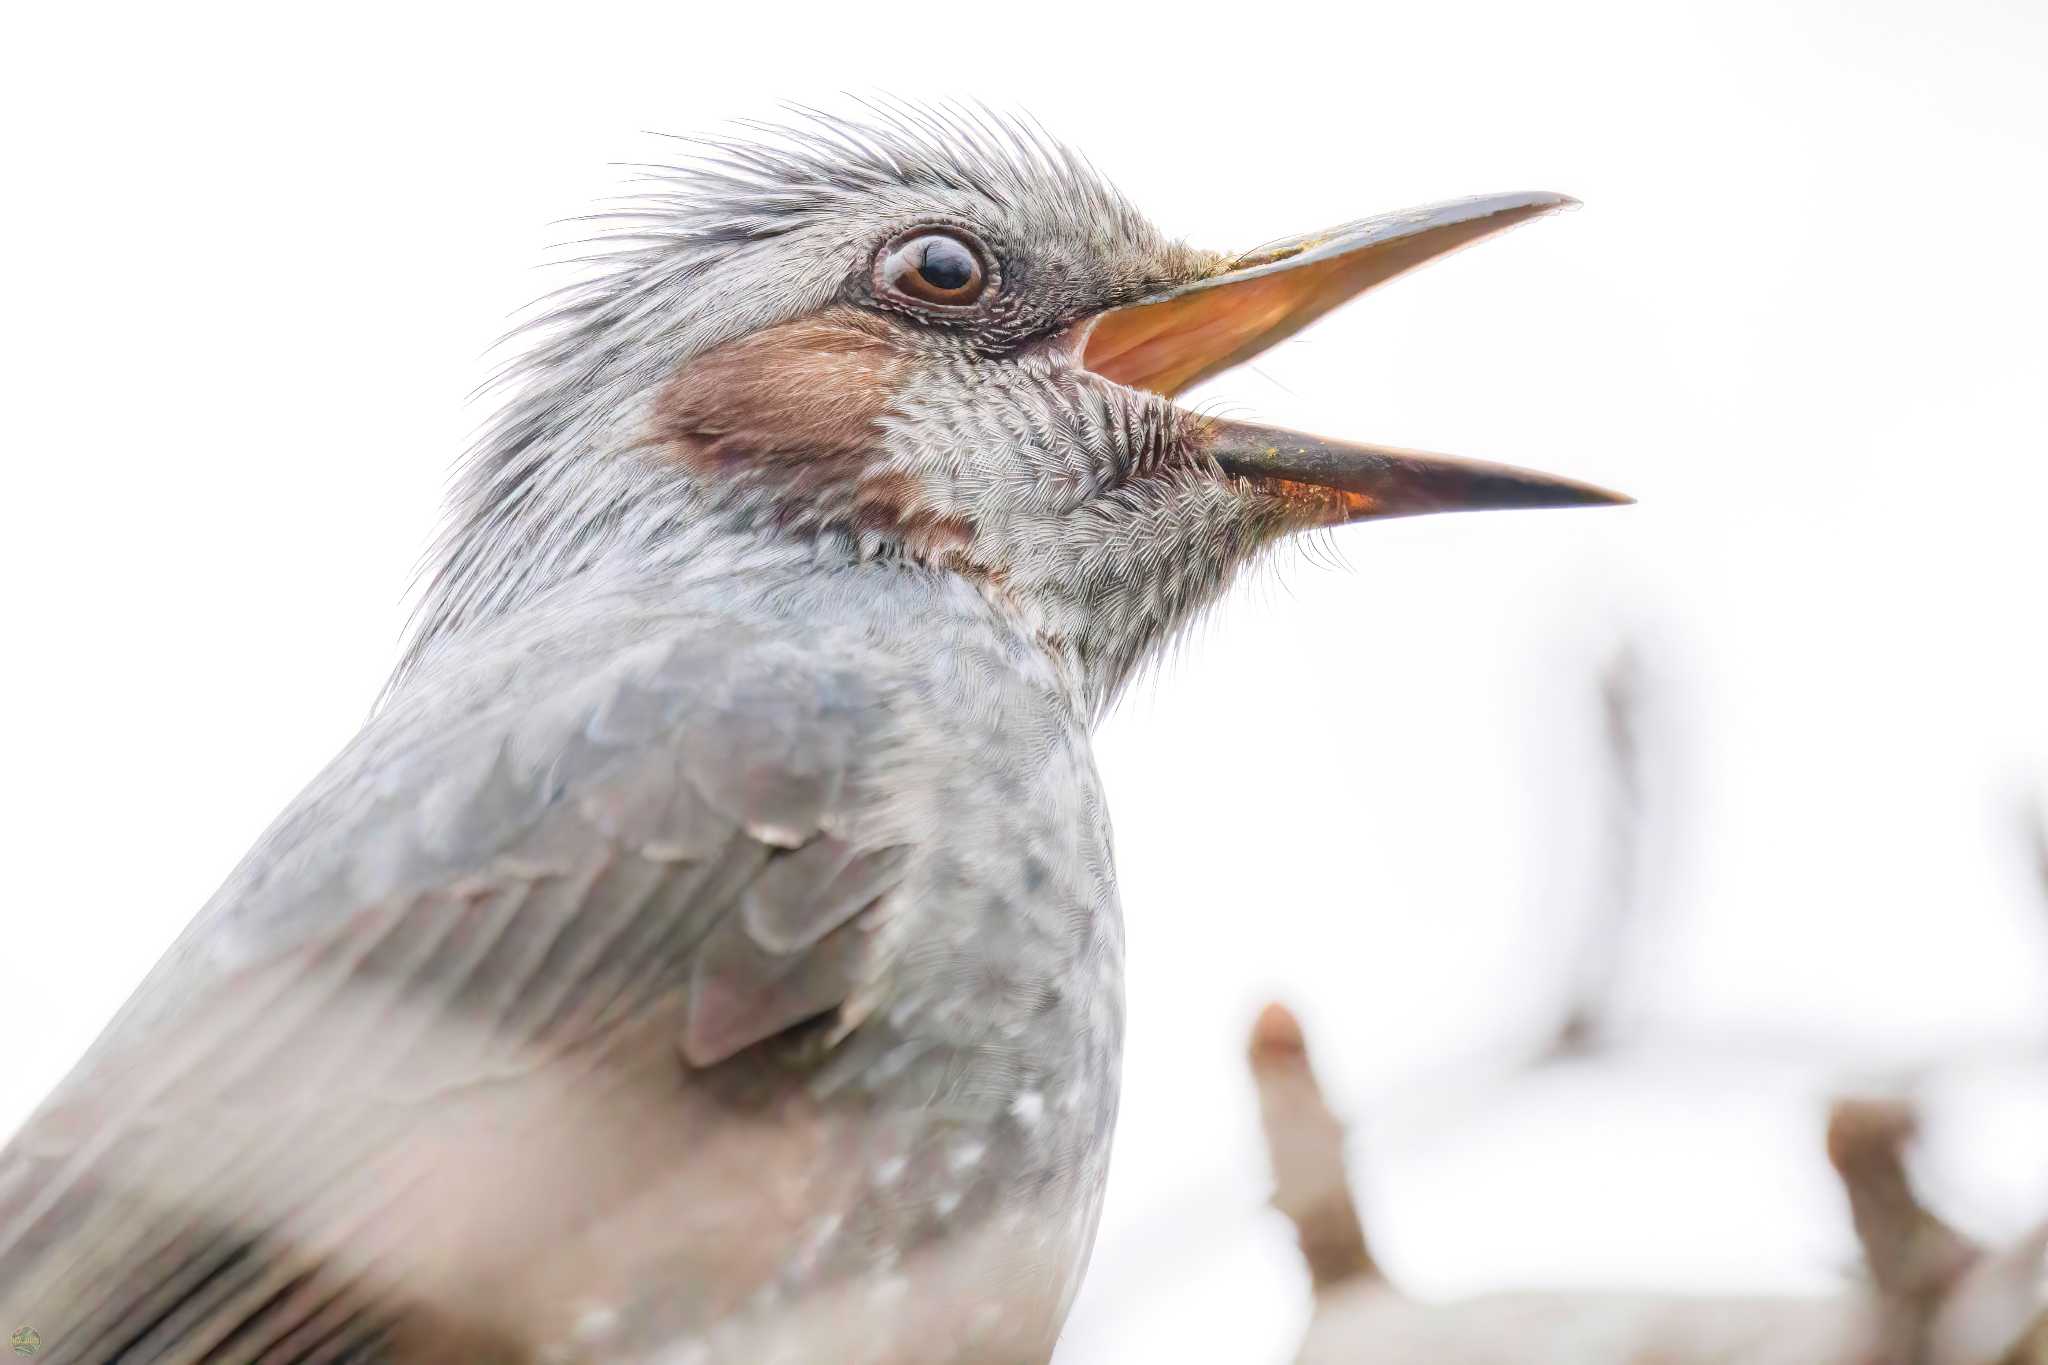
(942,269)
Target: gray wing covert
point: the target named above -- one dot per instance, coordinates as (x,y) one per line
(469,997)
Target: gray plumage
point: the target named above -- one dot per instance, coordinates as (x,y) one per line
(709,950)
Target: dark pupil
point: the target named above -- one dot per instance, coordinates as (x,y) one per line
(946,265)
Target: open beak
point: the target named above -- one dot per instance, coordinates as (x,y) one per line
(1177,338)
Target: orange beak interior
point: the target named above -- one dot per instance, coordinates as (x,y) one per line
(1177,339)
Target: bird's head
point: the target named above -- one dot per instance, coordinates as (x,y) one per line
(942,340)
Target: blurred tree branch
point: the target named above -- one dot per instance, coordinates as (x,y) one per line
(1911,1254)
(1933,1297)
(1306,1144)
(2034,814)
(1617,894)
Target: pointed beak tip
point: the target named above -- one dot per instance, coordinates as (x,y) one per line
(1514,206)
(1391,481)
(1541,491)
(1540,204)
(1595,496)
(1532,492)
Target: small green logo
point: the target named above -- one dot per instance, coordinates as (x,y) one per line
(26,1341)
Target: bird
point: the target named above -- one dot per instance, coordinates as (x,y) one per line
(709,948)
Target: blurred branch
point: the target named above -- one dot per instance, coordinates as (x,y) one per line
(1616,902)
(1934,1298)
(2034,830)
(1306,1144)
(1911,1253)
(2034,814)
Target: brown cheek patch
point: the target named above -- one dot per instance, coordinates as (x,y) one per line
(798,407)
(805,393)
(891,502)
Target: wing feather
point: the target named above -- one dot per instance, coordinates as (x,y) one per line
(522,915)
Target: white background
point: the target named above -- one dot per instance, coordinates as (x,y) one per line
(254,260)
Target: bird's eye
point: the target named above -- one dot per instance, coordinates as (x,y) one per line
(932,267)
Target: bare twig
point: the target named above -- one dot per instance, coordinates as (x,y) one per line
(1617,896)
(1934,1297)
(2034,815)
(1912,1254)
(1306,1143)
(2034,830)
